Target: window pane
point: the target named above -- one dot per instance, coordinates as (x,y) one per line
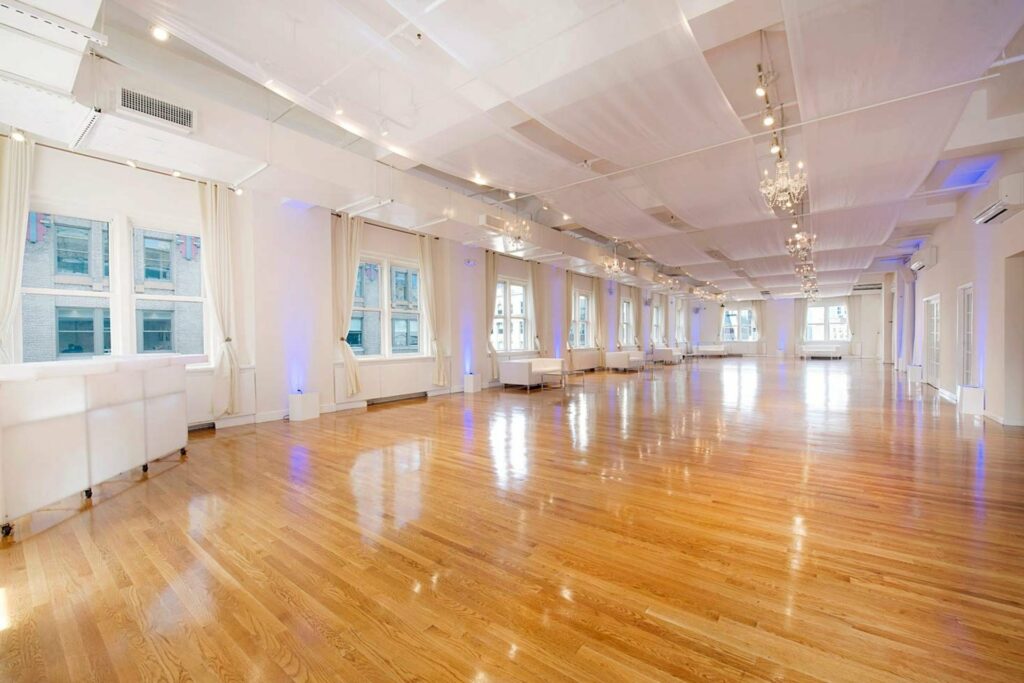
(816,332)
(583,335)
(405,333)
(106,253)
(498,334)
(169,326)
(62,252)
(499,300)
(517,299)
(364,333)
(404,288)
(368,285)
(167,263)
(815,315)
(59,327)
(517,336)
(583,307)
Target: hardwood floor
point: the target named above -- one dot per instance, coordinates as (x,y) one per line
(734,519)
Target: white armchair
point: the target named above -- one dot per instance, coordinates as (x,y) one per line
(710,349)
(528,372)
(667,355)
(624,360)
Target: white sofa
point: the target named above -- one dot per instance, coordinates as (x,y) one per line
(668,355)
(710,350)
(624,360)
(527,371)
(820,351)
(68,425)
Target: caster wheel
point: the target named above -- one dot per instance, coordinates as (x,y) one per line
(145,468)
(88,493)
(6,530)
(183,451)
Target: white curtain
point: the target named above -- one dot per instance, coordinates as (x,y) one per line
(680,308)
(634,296)
(568,319)
(599,304)
(757,308)
(436,298)
(218,273)
(800,320)
(346,242)
(491,274)
(15,178)
(853,318)
(538,295)
(721,322)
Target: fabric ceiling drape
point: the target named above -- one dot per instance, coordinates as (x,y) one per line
(15,177)
(218,275)
(538,295)
(436,299)
(346,242)
(568,319)
(491,284)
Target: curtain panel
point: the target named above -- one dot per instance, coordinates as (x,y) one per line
(15,178)
(436,298)
(491,275)
(346,243)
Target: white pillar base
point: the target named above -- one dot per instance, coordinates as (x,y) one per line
(303,406)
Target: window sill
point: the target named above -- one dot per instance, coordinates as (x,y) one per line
(380,360)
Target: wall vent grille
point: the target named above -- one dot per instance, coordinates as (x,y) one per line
(158,109)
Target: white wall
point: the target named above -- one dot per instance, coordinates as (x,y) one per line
(969,253)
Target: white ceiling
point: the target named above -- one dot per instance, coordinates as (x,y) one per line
(621,113)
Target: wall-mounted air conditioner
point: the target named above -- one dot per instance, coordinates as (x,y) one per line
(1010,200)
(924,258)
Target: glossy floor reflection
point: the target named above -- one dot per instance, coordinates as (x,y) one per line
(728,519)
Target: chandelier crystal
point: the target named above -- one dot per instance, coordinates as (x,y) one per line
(515,233)
(786,189)
(613,265)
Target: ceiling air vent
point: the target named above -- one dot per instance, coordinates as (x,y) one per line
(869,287)
(83,129)
(155,110)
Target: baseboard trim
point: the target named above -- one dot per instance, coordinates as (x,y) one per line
(234,421)
(948,395)
(1002,420)
(270,415)
(350,405)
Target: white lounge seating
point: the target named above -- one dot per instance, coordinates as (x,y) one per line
(820,351)
(624,360)
(528,372)
(710,350)
(667,355)
(68,425)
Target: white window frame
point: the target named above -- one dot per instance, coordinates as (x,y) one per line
(657,324)
(752,334)
(827,323)
(588,342)
(627,337)
(116,223)
(965,334)
(385,263)
(508,319)
(144,227)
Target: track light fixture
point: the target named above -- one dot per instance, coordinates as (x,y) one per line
(17,135)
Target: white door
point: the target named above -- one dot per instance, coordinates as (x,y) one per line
(965,325)
(932,342)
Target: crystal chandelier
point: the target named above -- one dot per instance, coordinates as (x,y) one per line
(785,190)
(705,294)
(613,265)
(799,245)
(515,234)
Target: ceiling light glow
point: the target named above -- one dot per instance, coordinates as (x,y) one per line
(160,33)
(17,135)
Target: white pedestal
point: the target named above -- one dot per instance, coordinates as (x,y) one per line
(303,406)
(971,400)
(471,383)
(915,373)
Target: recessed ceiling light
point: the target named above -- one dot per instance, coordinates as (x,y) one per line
(160,33)
(479,179)
(545,208)
(511,195)
(176,174)
(132,163)
(17,135)
(566,217)
(239,191)
(339,112)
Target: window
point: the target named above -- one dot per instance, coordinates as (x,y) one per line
(106,252)
(72,250)
(168,292)
(738,325)
(580,336)
(405,310)
(626,336)
(965,323)
(509,329)
(157,258)
(364,332)
(828,323)
(82,331)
